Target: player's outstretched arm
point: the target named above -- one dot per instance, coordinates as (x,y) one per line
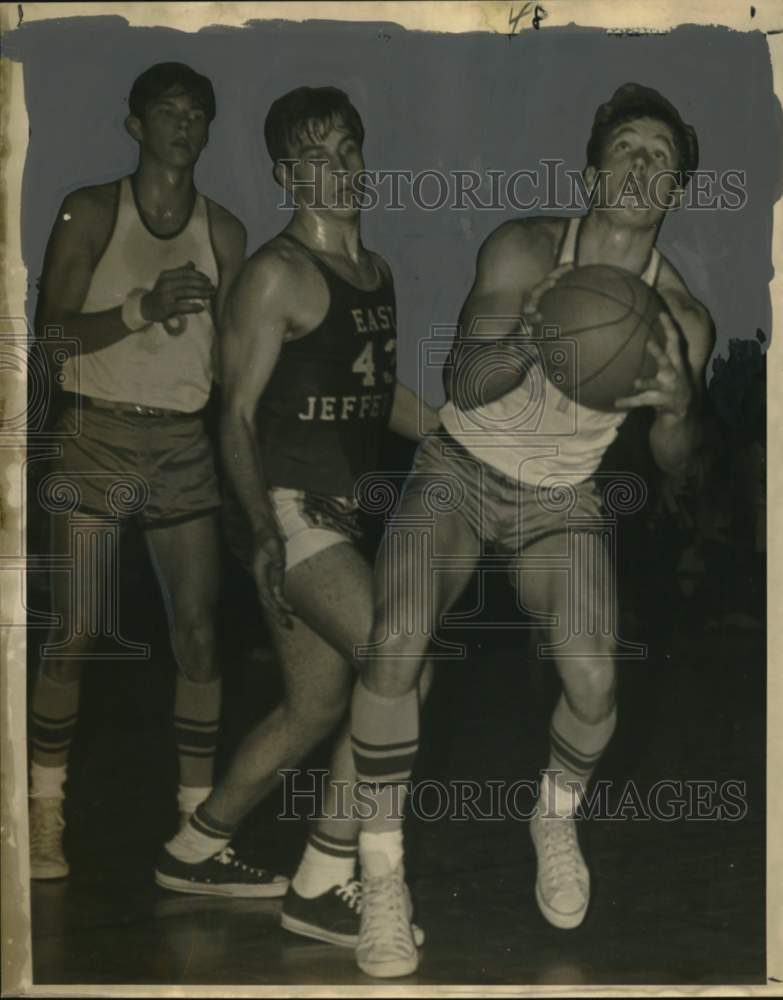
(410,416)
(255,321)
(509,270)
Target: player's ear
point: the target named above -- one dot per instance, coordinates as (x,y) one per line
(590,175)
(134,128)
(282,172)
(677,196)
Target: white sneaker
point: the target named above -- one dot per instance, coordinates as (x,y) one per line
(46,839)
(386,946)
(563,881)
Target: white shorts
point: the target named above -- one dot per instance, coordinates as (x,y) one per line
(309,523)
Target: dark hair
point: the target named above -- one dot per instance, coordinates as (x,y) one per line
(632,101)
(310,112)
(163,77)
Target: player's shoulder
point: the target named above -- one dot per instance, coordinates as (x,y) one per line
(692,316)
(524,240)
(93,203)
(279,265)
(518,253)
(225,223)
(680,299)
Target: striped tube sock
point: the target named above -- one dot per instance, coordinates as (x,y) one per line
(54,713)
(190,797)
(575,749)
(385,738)
(200,838)
(326,862)
(196,715)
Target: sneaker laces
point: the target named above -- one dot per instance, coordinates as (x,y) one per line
(386,924)
(563,861)
(351,894)
(228,857)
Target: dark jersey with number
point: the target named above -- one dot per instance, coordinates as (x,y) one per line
(322,414)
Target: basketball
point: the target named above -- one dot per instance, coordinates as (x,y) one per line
(594,329)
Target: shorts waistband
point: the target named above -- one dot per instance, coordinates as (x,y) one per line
(135,409)
(495,474)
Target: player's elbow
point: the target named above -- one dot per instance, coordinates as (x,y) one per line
(237,415)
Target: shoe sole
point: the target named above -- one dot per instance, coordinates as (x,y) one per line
(393,969)
(332,937)
(317,933)
(563,921)
(271,891)
(48,873)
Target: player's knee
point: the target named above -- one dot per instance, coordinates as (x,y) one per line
(394,667)
(317,715)
(590,686)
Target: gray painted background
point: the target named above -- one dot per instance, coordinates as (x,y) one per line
(476,101)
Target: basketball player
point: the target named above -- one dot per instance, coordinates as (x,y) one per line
(136,273)
(636,135)
(309,348)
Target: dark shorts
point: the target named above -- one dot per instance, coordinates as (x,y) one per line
(159,469)
(511,516)
(308,523)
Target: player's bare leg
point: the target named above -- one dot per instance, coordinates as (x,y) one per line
(385,721)
(582,725)
(55,706)
(190,588)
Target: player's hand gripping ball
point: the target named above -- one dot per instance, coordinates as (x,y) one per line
(670,389)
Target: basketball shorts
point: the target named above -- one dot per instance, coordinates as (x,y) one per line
(156,468)
(509,515)
(308,522)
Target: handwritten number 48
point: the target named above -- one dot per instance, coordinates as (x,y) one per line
(539,13)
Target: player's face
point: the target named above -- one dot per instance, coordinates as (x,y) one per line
(641,159)
(174,129)
(327,170)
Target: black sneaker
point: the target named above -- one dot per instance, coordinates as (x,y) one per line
(332,917)
(221,875)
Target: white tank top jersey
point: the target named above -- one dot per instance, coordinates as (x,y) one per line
(151,367)
(535,431)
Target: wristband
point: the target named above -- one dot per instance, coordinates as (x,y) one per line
(131,311)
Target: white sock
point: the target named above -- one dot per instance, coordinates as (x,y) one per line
(318,872)
(192,846)
(388,844)
(47,782)
(190,797)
